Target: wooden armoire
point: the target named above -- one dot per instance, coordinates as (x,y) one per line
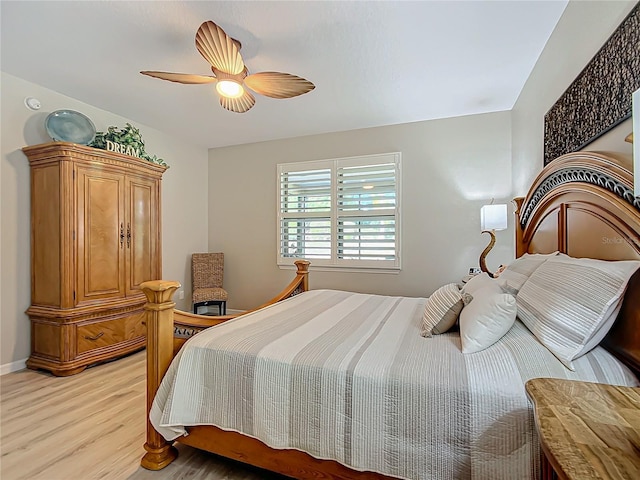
(95,237)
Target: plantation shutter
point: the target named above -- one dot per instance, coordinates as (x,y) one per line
(305,206)
(366,212)
(341,213)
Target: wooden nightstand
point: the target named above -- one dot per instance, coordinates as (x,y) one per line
(587,430)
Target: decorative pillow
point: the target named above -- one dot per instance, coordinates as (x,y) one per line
(506,288)
(487,318)
(570,304)
(519,271)
(441,310)
(479,281)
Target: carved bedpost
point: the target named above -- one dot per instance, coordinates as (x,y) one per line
(159,320)
(520,247)
(303,269)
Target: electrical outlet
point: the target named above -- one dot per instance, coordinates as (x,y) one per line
(180,294)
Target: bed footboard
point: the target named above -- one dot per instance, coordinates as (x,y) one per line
(187,324)
(167,330)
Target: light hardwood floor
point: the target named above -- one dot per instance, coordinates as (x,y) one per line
(90,426)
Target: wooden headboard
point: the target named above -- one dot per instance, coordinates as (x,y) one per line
(582,204)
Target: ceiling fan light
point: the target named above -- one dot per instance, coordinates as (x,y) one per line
(229,89)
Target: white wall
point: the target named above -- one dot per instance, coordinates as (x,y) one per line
(450,168)
(582,30)
(184,202)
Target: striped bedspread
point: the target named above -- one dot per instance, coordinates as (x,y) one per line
(348,377)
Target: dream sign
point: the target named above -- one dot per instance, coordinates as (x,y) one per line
(119,148)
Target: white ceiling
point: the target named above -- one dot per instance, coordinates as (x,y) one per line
(373,62)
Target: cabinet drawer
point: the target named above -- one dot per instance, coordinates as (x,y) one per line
(110,332)
(100,334)
(134,326)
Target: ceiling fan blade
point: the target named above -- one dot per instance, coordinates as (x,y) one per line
(240,104)
(219,49)
(181,77)
(278,85)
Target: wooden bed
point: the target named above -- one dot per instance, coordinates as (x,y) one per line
(581,204)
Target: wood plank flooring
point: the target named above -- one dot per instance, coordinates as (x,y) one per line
(91,426)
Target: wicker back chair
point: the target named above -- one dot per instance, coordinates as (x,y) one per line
(206,276)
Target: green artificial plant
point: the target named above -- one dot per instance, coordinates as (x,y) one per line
(129,136)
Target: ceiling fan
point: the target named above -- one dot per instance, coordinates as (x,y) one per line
(230,74)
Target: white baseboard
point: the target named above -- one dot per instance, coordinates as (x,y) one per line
(214,311)
(13,367)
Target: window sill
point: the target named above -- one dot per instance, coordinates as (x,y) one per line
(340,268)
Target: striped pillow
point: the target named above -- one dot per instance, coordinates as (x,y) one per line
(519,271)
(441,310)
(570,304)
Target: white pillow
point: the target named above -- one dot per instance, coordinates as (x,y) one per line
(479,281)
(441,310)
(519,271)
(486,319)
(570,304)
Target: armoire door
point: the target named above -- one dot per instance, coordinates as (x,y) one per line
(142,232)
(100,233)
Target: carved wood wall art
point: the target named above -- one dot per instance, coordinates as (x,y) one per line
(600,97)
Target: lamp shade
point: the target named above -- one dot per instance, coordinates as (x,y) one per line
(493,217)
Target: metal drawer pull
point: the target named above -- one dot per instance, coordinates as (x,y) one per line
(94,338)
(121,234)
(128,234)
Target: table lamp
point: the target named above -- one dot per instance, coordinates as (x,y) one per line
(492,218)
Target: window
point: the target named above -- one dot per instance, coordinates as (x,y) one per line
(342,212)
